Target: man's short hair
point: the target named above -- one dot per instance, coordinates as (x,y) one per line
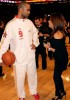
(22,4)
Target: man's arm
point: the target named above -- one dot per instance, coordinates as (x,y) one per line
(35,41)
(5,41)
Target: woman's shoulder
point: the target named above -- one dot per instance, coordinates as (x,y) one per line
(58,35)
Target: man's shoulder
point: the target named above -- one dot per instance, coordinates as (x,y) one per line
(29,21)
(11,22)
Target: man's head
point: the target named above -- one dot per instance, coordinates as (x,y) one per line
(37,21)
(23,10)
(1,23)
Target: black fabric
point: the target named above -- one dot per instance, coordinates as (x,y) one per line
(60,54)
(45,29)
(61,61)
(41,49)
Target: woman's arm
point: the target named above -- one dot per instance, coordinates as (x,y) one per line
(48,46)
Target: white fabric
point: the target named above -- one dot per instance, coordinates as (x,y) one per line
(20,45)
(20,73)
(21,33)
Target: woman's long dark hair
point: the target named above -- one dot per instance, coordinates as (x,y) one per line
(58,21)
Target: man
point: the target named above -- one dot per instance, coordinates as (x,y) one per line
(40,49)
(22,36)
(1,32)
(43,35)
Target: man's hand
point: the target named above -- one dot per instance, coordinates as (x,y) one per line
(33,46)
(2,64)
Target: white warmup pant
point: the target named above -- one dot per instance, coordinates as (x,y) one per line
(20,71)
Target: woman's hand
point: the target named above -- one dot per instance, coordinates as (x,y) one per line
(40,34)
(47,45)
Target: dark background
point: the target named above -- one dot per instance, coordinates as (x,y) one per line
(8,10)
(41,9)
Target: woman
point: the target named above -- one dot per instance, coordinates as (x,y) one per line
(57,46)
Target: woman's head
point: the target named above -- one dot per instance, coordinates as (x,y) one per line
(57,22)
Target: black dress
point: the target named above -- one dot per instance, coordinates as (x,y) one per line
(61,61)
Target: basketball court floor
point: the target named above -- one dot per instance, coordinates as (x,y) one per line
(45,83)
